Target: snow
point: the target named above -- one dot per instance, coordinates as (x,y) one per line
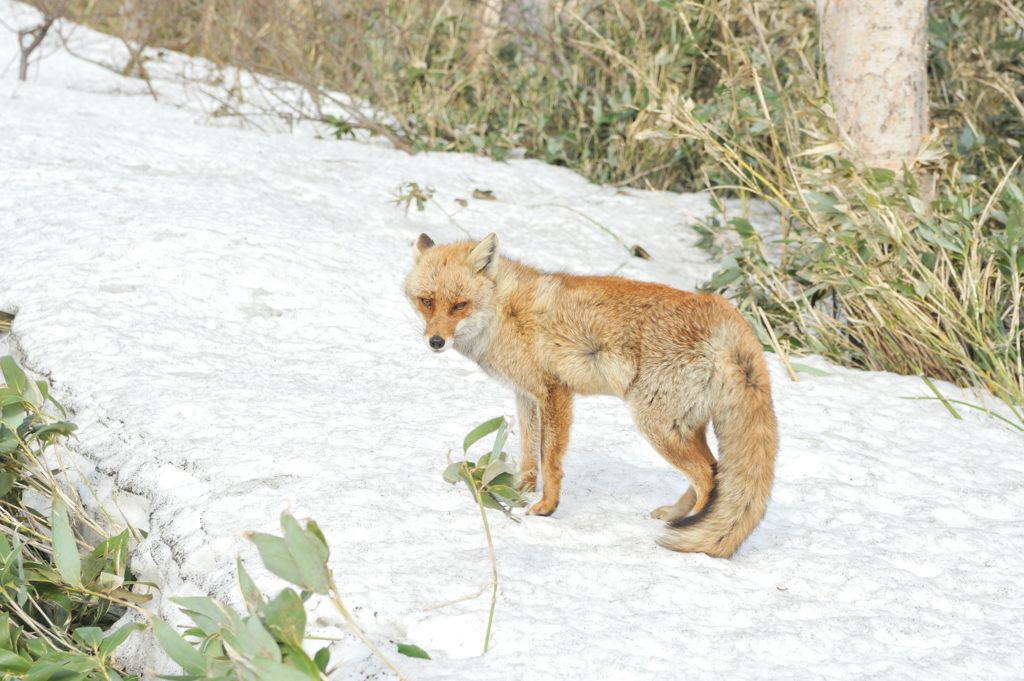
(221,311)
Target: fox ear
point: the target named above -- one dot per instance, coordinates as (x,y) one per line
(483,259)
(423,244)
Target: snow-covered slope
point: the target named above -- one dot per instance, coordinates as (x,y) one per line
(221,310)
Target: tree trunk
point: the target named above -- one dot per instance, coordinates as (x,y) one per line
(876,59)
(486,18)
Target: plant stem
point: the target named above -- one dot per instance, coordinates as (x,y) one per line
(490,547)
(336,599)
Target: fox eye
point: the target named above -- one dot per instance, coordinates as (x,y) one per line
(459,306)
(427,303)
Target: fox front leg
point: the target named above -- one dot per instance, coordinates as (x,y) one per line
(555,419)
(528,411)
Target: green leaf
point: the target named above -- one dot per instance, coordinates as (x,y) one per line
(65,550)
(494,469)
(10,396)
(13,374)
(250,637)
(314,529)
(510,494)
(5,632)
(250,594)
(499,441)
(32,394)
(297,658)
(322,659)
(92,566)
(743,227)
(451,473)
(266,670)
(115,549)
(110,643)
(179,650)
(131,596)
(58,427)
(6,483)
(12,416)
(286,617)
(90,637)
(308,555)
(44,389)
(481,430)
(276,557)
(11,663)
(488,501)
(208,614)
(42,671)
(8,445)
(410,650)
(808,370)
(37,647)
(938,239)
(723,278)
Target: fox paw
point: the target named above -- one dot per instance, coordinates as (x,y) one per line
(668,513)
(526,482)
(543,508)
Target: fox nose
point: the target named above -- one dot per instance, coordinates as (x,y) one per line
(436,342)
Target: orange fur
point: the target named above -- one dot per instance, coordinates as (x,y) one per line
(678,360)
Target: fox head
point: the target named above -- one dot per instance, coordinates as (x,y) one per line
(451,286)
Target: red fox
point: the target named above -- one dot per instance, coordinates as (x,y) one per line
(677,359)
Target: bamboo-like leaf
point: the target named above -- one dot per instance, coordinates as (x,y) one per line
(322,659)
(499,441)
(809,370)
(109,644)
(12,416)
(493,470)
(286,618)
(65,549)
(32,394)
(44,389)
(6,483)
(13,664)
(297,658)
(179,650)
(307,554)
(481,430)
(13,374)
(131,596)
(276,557)
(208,614)
(250,593)
(266,670)
(451,473)
(410,650)
(91,637)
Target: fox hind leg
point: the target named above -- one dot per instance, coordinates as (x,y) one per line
(699,468)
(685,446)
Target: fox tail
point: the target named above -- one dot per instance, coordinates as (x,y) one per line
(744,422)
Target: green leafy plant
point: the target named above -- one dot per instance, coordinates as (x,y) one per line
(490,480)
(267,643)
(55,602)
